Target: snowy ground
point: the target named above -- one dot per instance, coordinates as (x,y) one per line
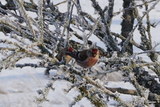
(18,87)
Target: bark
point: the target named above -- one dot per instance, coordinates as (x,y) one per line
(148,81)
(127,24)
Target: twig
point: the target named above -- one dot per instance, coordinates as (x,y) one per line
(60,3)
(110,12)
(25,16)
(25,65)
(107,39)
(130,36)
(132,7)
(108,92)
(148,23)
(40,21)
(123,91)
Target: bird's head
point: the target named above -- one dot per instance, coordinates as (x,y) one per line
(94,52)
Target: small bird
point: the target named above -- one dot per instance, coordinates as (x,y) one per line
(85,58)
(61,56)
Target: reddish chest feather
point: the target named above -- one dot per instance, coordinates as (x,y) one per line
(89,62)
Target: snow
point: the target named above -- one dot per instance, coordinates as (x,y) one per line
(122,84)
(19,87)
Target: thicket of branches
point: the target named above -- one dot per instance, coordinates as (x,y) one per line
(32,37)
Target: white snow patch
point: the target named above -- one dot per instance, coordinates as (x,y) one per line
(121,84)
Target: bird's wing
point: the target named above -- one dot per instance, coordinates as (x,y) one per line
(82,55)
(72,54)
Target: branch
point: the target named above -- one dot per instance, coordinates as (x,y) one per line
(25,16)
(130,36)
(40,21)
(122,90)
(106,91)
(105,31)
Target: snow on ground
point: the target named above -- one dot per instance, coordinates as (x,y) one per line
(19,87)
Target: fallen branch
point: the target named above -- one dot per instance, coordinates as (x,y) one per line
(122,90)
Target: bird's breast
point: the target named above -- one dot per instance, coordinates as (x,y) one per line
(89,62)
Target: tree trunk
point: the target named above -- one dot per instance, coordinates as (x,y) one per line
(127,23)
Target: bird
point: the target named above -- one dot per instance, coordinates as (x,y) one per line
(85,58)
(61,56)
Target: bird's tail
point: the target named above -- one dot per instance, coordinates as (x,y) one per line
(64,52)
(72,54)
